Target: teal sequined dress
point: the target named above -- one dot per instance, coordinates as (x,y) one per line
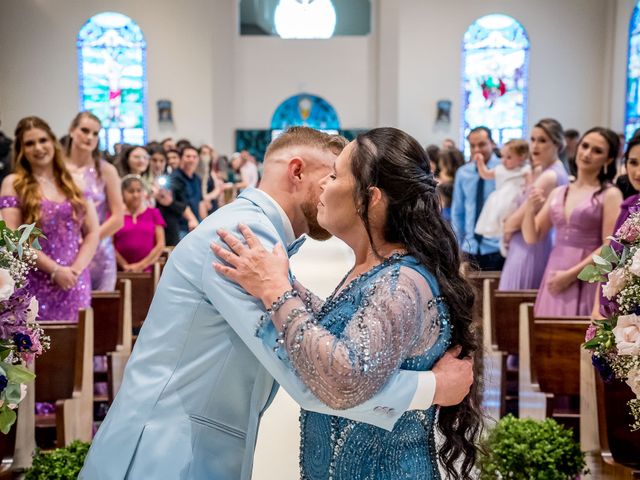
(346,349)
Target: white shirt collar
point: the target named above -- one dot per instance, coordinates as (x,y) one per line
(289,236)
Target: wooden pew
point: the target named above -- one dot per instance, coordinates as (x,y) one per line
(64,377)
(7,450)
(143,286)
(112,327)
(489,364)
(619,446)
(505,318)
(503,322)
(553,350)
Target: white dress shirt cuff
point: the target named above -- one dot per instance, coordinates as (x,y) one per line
(426,390)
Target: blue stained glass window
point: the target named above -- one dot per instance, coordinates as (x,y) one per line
(632,111)
(495,59)
(305,110)
(112,77)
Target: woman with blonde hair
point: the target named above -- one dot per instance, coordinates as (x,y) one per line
(100,182)
(42,191)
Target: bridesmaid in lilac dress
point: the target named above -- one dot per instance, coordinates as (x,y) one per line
(100,183)
(584,214)
(525,263)
(42,191)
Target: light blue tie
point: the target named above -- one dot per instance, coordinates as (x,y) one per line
(293,248)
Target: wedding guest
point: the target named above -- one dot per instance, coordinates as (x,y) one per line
(215,187)
(630,205)
(449,144)
(157,163)
(100,183)
(525,264)
(186,187)
(5,155)
(207,155)
(584,214)
(42,191)
(448,163)
(470,192)
(568,155)
(173,160)
(168,144)
(135,160)
(140,242)
(433,152)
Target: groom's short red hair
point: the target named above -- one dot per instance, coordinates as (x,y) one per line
(309,137)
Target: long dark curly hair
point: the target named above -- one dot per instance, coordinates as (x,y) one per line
(394,162)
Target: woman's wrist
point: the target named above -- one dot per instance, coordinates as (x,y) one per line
(53,272)
(271,297)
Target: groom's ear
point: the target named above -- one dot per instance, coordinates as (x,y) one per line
(296,169)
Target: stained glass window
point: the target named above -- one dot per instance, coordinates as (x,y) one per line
(305,18)
(632,114)
(306,110)
(495,62)
(112,77)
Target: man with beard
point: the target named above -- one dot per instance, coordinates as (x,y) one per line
(199,378)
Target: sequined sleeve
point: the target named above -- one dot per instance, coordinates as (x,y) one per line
(9,202)
(310,299)
(397,319)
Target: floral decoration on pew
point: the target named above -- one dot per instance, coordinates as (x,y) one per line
(615,341)
(21,339)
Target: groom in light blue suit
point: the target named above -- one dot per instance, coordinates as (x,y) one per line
(199,378)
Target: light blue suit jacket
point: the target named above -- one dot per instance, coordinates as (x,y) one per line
(199,379)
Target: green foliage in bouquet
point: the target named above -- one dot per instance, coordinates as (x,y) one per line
(21,339)
(59,464)
(525,449)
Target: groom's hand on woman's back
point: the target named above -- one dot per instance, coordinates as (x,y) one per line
(454,377)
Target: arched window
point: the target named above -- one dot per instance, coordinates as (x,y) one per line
(632,111)
(112,77)
(495,59)
(306,110)
(305,18)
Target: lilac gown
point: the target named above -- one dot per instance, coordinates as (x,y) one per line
(64,236)
(525,263)
(103,266)
(574,241)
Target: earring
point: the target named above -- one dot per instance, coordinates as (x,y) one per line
(606,168)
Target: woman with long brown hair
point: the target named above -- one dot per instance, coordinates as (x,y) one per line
(42,191)
(99,181)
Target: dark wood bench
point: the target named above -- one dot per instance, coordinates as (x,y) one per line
(112,334)
(504,323)
(554,360)
(64,377)
(143,286)
(505,316)
(619,446)
(7,450)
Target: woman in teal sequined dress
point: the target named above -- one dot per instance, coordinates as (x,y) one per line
(401,306)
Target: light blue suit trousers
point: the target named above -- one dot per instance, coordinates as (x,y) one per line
(199,379)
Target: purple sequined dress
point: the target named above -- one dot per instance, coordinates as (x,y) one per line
(575,240)
(524,266)
(64,236)
(103,266)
